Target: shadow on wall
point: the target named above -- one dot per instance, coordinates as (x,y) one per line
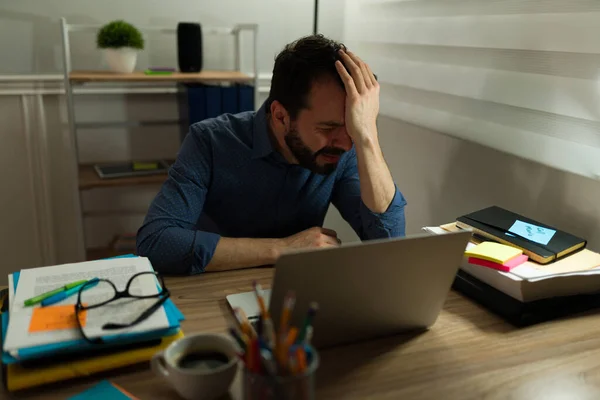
(476,177)
(443,177)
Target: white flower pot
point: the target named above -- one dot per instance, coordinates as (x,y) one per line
(122,59)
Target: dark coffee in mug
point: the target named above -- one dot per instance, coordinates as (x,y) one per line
(201,360)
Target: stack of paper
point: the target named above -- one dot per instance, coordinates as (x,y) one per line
(578,273)
(35,332)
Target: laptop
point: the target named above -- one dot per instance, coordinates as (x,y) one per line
(364,290)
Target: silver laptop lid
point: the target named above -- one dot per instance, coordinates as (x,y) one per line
(369,289)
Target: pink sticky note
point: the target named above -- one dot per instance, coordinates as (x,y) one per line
(506,267)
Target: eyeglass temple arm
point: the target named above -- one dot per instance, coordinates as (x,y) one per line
(142,317)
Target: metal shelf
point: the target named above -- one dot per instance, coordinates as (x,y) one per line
(140,76)
(89,179)
(86,175)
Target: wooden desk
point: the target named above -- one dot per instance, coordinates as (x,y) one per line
(468,354)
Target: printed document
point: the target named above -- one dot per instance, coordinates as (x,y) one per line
(35,281)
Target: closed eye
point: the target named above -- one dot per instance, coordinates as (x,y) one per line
(327,130)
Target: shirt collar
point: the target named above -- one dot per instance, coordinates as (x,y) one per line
(261,146)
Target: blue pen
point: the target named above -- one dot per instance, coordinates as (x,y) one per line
(68,293)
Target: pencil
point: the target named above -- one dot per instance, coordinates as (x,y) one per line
(261,302)
(250,355)
(240,338)
(301,357)
(244,323)
(282,351)
(288,305)
(312,311)
(268,332)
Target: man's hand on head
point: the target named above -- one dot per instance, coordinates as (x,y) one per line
(362,98)
(313,238)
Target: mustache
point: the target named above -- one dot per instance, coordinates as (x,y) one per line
(330,151)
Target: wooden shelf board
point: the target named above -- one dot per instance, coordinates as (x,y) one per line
(139,76)
(89,179)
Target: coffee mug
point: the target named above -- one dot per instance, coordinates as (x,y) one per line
(200,366)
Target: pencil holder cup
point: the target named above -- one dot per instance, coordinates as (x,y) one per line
(301,386)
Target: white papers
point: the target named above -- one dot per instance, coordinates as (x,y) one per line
(11,293)
(435,230)
(32,282)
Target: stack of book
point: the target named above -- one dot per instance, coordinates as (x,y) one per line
(42,341)
(560,276)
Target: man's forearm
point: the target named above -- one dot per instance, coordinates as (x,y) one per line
(236,253)
(245,253)
(376,183)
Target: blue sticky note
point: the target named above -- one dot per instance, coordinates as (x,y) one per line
(103,390)
(532,232)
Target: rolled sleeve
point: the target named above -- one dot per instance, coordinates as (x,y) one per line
(366,223)
(388,224)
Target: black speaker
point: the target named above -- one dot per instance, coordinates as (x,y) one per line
(189,47)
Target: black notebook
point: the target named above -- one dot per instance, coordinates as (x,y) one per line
(541,242)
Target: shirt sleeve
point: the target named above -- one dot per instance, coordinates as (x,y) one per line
(169,236)
(366,223)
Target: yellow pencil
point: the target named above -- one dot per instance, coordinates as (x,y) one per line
(288,305)
(261,301)
(244,323)
(283,349)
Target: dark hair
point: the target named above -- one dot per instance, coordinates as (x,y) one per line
(298,66)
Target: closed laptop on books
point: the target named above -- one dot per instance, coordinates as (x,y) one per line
(541,242)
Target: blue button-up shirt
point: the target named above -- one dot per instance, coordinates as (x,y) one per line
(229,181)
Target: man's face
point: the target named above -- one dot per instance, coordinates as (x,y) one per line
(318,137)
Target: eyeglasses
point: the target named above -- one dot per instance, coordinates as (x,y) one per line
(93,295)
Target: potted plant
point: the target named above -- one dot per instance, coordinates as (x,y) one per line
(121,42)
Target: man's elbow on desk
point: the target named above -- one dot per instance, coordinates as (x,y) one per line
(174,251)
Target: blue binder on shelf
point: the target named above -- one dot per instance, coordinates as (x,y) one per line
(210,101)
(174,317)
(229,100)
(196,103)
(245,98)
(213,101)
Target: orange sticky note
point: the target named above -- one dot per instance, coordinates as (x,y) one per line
(54,318)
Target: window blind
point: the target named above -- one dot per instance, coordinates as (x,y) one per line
(521,76)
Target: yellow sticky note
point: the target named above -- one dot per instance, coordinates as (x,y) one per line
(140,166)
(54,318)
(495,252)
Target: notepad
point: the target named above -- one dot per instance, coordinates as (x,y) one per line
(143,166)
(494,252)
(506,267)
(54,318)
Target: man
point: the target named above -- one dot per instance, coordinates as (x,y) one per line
(265,179)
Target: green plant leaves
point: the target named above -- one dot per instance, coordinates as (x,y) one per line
(119,33)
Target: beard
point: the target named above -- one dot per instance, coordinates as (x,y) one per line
(307,158)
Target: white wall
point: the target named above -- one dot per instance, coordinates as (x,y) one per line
(444,177)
